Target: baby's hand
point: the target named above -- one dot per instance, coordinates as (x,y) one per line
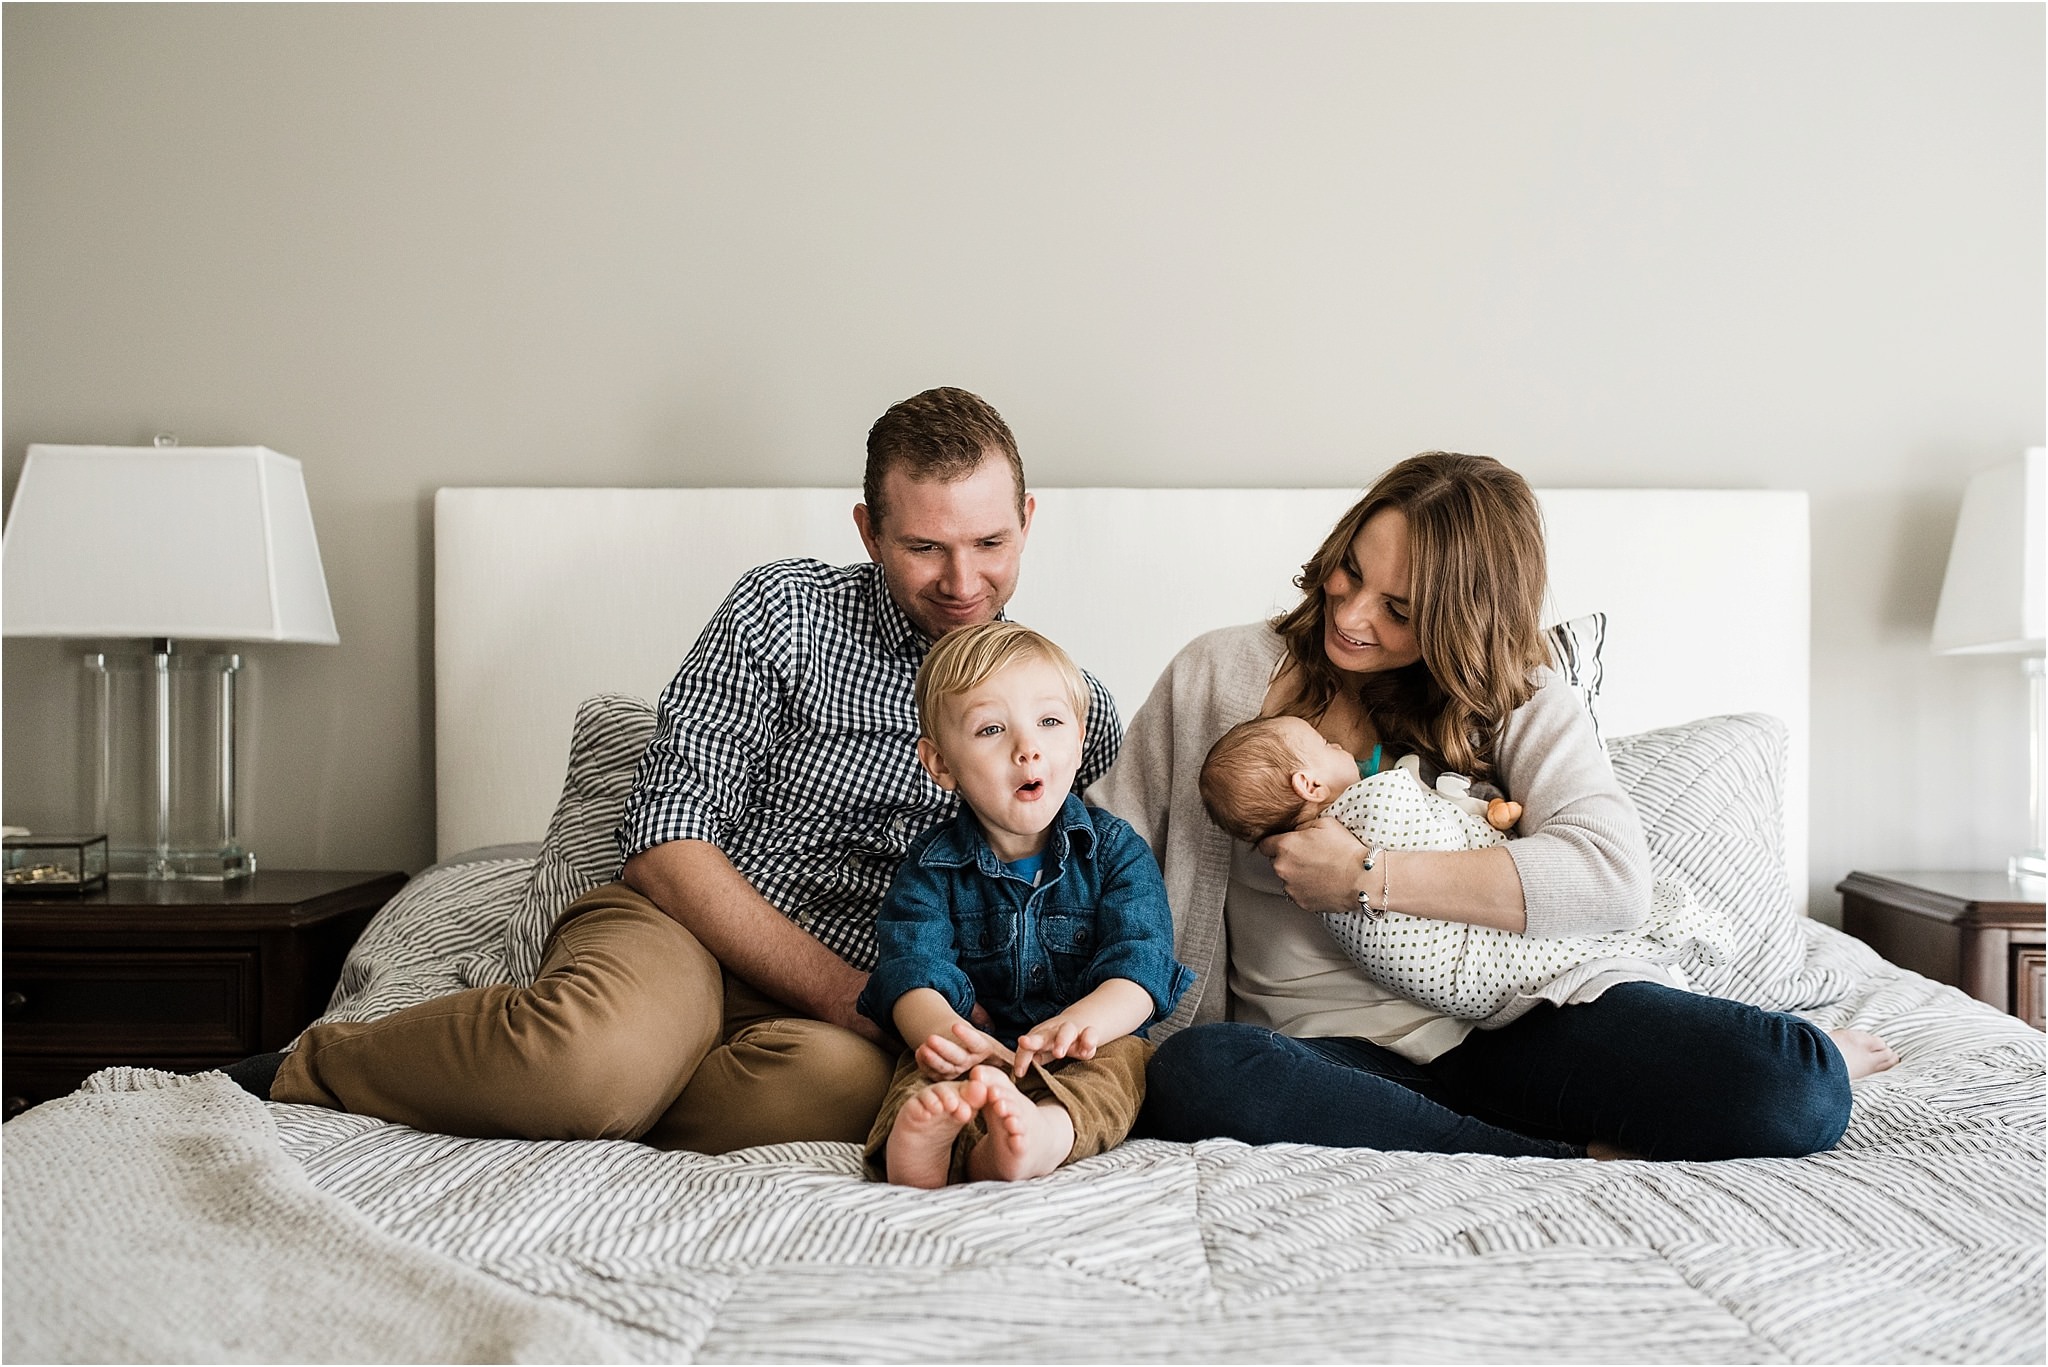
(942,1059)
(1056,1038)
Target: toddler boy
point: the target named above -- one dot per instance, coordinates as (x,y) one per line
(1048,915)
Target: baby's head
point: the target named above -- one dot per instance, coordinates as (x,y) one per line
(1003,711)
(1269,774)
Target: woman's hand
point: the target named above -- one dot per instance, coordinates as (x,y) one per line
(1322,866)
(1319,865)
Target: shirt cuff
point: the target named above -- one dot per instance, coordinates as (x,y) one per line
(888,983)
(1162,976)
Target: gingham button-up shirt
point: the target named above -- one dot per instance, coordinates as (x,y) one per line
(788,739)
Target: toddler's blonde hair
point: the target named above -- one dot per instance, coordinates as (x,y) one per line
(970,656)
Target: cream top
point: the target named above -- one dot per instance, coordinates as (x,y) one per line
(1584,866)
(1287,974)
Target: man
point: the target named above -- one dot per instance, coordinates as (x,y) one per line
(707,1000)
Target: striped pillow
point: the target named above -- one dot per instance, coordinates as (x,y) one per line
(1711,797)
(581,850)
(1575,649)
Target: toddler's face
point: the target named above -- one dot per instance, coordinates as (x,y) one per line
(1324,761)
(1010,747)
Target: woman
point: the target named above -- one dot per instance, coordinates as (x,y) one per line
(1418,632)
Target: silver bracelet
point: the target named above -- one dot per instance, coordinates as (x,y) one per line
(1365,905)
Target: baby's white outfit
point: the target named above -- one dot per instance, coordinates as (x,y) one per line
(1493,976)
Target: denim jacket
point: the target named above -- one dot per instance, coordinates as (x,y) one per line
(955,920)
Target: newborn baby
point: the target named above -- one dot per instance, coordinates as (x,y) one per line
(1277,773)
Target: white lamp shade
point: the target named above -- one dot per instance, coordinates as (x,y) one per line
(1992,596)
(189,543)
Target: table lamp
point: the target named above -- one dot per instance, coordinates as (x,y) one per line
(170,545)
(1992,604)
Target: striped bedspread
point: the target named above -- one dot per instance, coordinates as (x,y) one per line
(1919,1238)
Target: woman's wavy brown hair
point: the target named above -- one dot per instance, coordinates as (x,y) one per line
(1475,553)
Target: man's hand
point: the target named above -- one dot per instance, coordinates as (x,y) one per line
(1319,865)
(847,1016)
(694,883)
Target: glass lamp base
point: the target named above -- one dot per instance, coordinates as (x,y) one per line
(194,866)
(2034,863)
(161,763)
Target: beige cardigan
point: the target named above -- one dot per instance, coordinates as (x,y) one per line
(1584,866)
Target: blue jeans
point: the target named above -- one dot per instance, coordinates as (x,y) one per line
(1655,1071)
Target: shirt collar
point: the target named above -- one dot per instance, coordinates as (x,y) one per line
(961,841)
(893,628)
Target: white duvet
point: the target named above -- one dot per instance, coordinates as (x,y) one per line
(1919,1238)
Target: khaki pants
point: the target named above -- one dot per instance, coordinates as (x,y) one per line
(631,1030)
(1102,1096)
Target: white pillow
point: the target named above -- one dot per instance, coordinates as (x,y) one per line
(1711,797)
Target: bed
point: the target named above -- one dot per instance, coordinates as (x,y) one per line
(150,1217)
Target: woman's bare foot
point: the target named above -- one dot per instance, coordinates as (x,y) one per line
(1025,1138)
(1864,1052)
(1607,1153)
(920,1151)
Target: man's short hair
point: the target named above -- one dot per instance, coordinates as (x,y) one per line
(1247,781)
(968,657)
(942,434)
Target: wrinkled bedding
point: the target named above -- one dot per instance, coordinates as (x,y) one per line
(1919,1238)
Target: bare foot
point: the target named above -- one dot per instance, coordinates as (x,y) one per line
(1605,1152)
(1025,1138)
(920,1151)
(1864,1052)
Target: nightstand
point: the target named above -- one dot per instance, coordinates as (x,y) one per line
(179,976)
(1981,932)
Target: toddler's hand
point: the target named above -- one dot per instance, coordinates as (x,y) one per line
(1056,1038)
(942,1059)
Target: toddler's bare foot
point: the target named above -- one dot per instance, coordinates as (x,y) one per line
(920,1151)
(1864,1052)
(1025,1139)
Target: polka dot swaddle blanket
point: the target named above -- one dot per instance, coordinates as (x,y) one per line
(1491,976)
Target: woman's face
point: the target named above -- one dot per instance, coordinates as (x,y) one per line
(1367,627)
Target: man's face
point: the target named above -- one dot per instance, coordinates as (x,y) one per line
(949,551)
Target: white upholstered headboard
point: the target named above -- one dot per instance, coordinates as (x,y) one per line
(543,597)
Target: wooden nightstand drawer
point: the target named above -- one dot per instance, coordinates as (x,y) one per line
(177,976)
(30,1084)
(1982,932)
(169,1002)
(2030,985)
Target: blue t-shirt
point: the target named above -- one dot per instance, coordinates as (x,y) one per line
(958,921)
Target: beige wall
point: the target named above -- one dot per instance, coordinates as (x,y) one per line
(1776,246)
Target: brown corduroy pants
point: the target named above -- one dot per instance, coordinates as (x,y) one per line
(631,1030)
(1102,1096)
